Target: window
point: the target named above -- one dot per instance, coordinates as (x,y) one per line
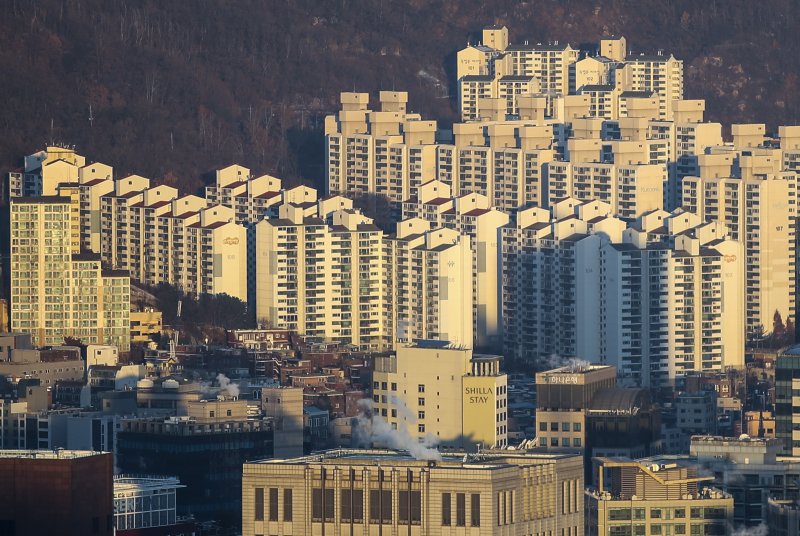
(229,413)
(259,504)
(273,504)
(542,426)
(394,413)
(287,504)
(409,507)
(316,505)
(421,428)
(394,386)
(446,519)
(421,401)
(576,427)
(554,427)
(211,414)
(565,427)
(380,506)
(576,441)
(420,415)
(420,388)
(461,510)
(475,510)
(553,441)
(328,505)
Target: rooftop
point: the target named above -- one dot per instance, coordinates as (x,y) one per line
(57,454)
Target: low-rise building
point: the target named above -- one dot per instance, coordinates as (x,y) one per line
(654,496)
(378,491)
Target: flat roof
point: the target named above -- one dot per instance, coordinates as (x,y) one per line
(57,454)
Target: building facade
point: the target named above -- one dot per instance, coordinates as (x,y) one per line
(337,492)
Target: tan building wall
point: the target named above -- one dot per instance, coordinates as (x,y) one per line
(380,491)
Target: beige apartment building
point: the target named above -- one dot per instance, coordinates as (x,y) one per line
(469,215)
(380,491)
(442,394)
(159,236)
(747,191)
(654,496)
(56,293)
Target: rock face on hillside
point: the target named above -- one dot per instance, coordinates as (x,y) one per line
(174,89)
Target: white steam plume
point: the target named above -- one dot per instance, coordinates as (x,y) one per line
(372,429)
(227,386)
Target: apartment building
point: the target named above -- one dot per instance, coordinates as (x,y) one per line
(56,293)
(656,298)
(787,383)
(654,496)
(338,492)
(469,215)
(368,150)
(429,284)
(757,202)
(159,236)
(440,394)
(322,280)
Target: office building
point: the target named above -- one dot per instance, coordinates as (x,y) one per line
(61,481)
(783,517)
(654,496)
(579,409)
(787,419)
(341,491)
(205,454)
(751,470)
(442,394)
(56,293)
(146,505)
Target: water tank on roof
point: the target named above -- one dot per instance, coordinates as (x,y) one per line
(170,384)
(144,384)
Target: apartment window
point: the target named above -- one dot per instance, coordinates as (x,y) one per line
(273,504)
(394,413)
(475,510)
(421,428)
(576,427)
(446,518)
(553,441)
(229,413)
(211,414)
(554,427)
(421,401)
(461,509)
(376,385)
(287,504)
(565,427)
(420,388)
(576,441)
(420,414)
(259,514)
(383,385)
(542,426)
(394,387)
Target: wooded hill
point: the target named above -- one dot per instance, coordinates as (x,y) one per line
(173,90)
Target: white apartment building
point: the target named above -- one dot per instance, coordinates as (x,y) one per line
(322,280)
(656,299)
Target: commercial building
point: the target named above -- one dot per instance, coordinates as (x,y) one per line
(341,491)
(442,394)
(654,496)
(205,454)
(145,325)
(284,405)
(60,363)
(56,293)
(580,409)
(145,505)
(787,383)
(751,470)
(61,481)
(783,518)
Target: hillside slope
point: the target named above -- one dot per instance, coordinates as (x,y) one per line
(172,90)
